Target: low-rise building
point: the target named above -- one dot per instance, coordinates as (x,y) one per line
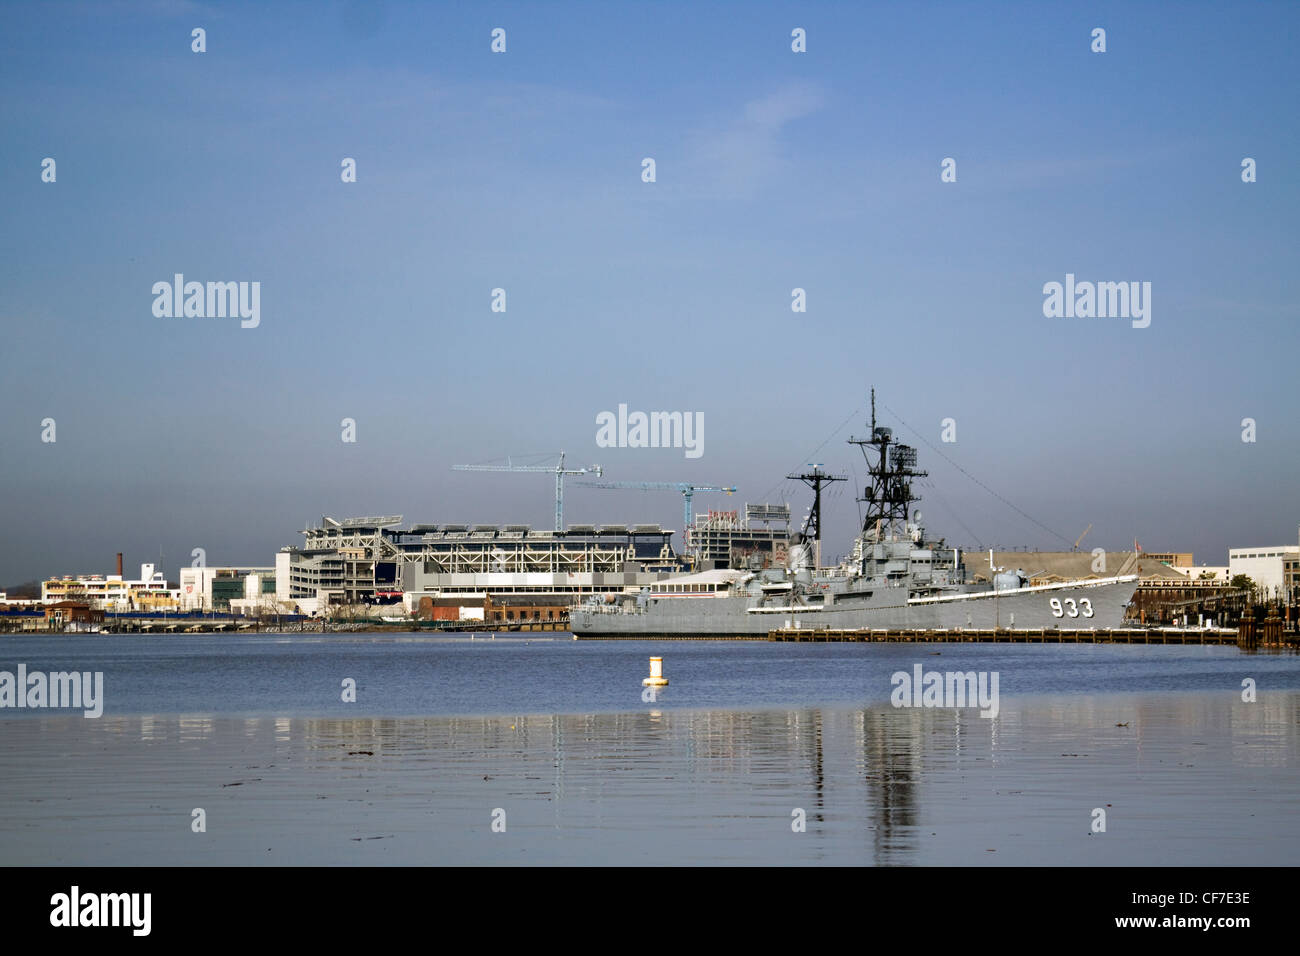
(459,608)
(75,614)
(111,592)
(511,608)
(212,589)
(19,602)
(263,606)
(1267,567)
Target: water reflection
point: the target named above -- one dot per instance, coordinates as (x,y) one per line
(891,742)
(878,785)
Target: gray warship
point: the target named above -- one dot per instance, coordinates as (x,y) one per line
(894,578)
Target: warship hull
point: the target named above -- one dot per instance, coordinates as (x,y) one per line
(1074,606)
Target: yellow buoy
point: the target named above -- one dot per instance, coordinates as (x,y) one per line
(656,678)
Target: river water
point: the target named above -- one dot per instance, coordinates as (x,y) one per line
(539,749)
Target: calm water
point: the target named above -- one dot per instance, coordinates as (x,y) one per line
(552,738)
(1193,779)
(399,675)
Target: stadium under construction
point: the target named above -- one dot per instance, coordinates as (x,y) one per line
(373,560)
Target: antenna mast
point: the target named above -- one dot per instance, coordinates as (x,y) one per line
(814,479)
(892,466)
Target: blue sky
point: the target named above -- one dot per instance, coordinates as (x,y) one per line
(522,170)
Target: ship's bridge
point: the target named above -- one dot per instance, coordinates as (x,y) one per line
(703,584)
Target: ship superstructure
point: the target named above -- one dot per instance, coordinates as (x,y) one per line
(894,578)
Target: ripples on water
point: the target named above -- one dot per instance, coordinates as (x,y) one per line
(282,675)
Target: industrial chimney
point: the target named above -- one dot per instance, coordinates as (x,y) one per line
(119,564)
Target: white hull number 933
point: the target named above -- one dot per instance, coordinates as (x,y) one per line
(1070,609)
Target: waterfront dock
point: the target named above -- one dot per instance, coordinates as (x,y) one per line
(1118,635)
(1247,637)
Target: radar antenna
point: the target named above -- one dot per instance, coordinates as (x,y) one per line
(892,467)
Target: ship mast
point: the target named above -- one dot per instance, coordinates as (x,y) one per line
(892,466)
(812,527)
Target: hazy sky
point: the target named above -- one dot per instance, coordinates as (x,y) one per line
(523,171)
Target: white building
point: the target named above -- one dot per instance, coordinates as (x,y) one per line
(263,605)
(112,592)
(282,585)
(212,589)
(1265,566)
(287,594)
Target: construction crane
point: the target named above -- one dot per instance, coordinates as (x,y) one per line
(1079,539)
(557,469)
(686,488)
